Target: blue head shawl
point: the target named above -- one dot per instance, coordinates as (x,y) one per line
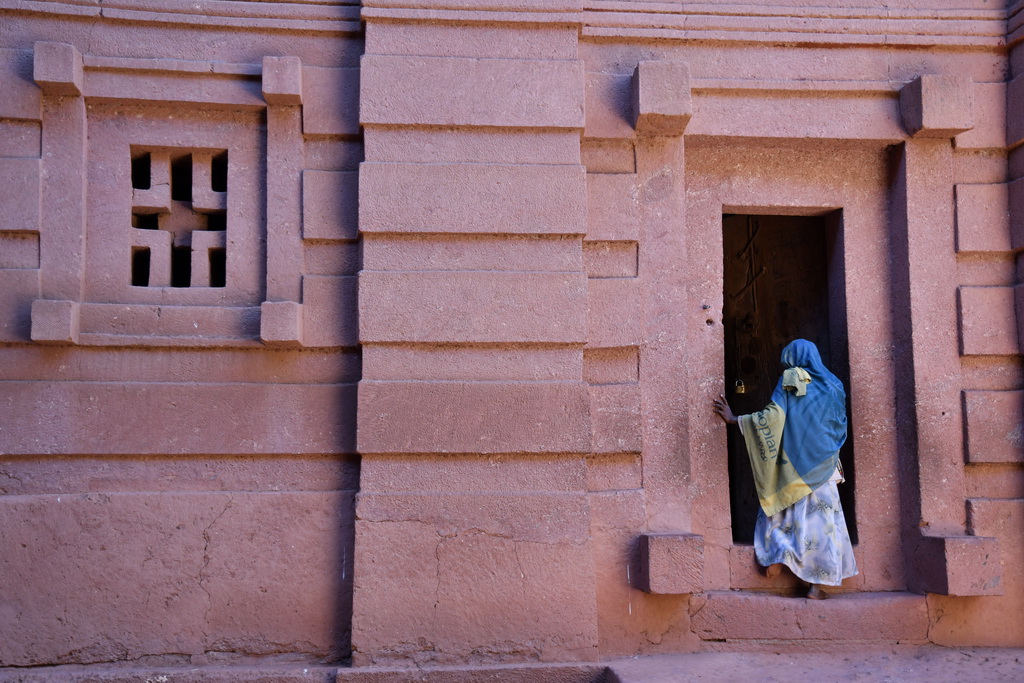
(815,422)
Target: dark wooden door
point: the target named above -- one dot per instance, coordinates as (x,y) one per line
(776,289)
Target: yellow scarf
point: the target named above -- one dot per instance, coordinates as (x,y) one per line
(777,481)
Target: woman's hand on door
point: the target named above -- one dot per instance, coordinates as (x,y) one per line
(721,406)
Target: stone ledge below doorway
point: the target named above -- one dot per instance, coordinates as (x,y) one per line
(671,563)
(892,617)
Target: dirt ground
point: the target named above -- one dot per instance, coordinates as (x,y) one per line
(933,664)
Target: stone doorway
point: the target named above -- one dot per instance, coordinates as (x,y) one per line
(776,288)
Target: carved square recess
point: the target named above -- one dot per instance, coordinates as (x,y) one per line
(175,245)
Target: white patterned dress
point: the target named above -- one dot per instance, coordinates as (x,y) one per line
(810,537)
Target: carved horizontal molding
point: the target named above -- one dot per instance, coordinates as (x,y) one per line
(625,19)
(284,15)
(738,86)
(982,29)
(125,79)
(468,16)
(540,6)
(827,25)
(177,66)
(150,325)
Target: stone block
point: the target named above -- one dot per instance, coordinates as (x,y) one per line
(483,597)
(934,106)
(672,564)
(610,259)
(281,323)
(174,572)
(55,322)
(57,68)
(419,145)
(392,609)
(782,114)
(19,194)
(1016,204)
(995,426)
(276,567)
(627,616)
(19,250)
(983,217)
(282,80)
(1018,298)
(608,156)
(958,622)
(613,312)
(615,365)
(498,6)
(614,472)
(330,103)
(394,252)
(168,418)
(471,306)
(332,258)
(20,289)
(473,417)
(19,138)
(509,578)
(238,92)
(329,310)
(613,207)
(453,91)
(988,325)
(499,37)
(173,323)
(1014,107)
(958,565)
(133,474)
(535,517)
(223,473)
(330,205)
(662,105)
(472,198)
(990,120)
(616,418)
(508,474)
(470,362)
(888,617)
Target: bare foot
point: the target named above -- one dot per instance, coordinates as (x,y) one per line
(815,592)
(773,570)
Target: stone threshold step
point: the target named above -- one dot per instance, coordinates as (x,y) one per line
(894,617)
(306,673)
(509,673)
(127,672)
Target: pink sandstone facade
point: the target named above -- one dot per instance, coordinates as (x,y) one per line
(386,334)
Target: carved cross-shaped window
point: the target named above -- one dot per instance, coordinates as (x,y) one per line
(179,217)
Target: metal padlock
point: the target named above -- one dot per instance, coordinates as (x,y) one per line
(740,388)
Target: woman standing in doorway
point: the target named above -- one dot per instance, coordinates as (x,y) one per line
(793,444)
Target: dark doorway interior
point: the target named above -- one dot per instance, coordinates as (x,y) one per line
(783,281)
